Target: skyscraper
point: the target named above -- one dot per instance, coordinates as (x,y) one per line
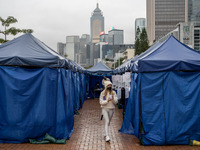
(72,47)
(194,12)
(84,41)
(163,16)
(104,37)
(141,23)
(96,26)
(115,37)
(61,48)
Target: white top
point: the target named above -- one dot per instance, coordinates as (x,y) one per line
(104,102)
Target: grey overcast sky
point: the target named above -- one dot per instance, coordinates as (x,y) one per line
(53,20)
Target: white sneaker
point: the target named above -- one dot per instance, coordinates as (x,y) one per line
(107,139)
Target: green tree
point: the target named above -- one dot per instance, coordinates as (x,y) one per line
(144,42)
(137,42)
(119,62)
(12,30)
(107,59)
(137,47)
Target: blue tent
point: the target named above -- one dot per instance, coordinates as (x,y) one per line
(95,75)
(35,91)
(124,67)
(76,67)
(93,80)
(171,55)
(132,64)
(26,50)
(100,68)
(163,107)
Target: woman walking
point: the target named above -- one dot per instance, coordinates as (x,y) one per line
(107,100)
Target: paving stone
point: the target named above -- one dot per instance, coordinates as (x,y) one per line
(88,134)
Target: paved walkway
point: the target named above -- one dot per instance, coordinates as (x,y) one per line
(88,135)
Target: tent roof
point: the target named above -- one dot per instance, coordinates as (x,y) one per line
(27,50)
(171,55)
(100,68)
(132,64)
(123,67)
(76,67)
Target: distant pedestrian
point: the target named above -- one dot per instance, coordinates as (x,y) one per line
(107,100)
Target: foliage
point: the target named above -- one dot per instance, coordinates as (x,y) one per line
(12,30)
(107,59)
(137,42)
(138,32)
(88,67)
(137,47)
(141,43)
(119,62)
(144,42)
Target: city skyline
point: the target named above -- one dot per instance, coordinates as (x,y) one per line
(53,21)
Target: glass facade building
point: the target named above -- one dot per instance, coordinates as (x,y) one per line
(168,13)
(72,47)
(141,23)
(163,16)
(194,12)
(61,48)
(96,27)
(197,39)
(116,37)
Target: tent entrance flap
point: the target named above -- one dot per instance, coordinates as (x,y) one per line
(170,107)
(29,109)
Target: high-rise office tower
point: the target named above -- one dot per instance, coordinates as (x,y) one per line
(84,41)
(141,23)
(163,16)
(61,48)
(104,37)
(115,37)
(194,12)
(72,47)
(96,27)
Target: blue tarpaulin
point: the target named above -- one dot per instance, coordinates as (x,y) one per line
(170,55)
(73,91)
(131,120)
(100,68)
(84,94)
(34,102)
(93,80)
(84,85)
(27,50)
(128,122)
(95,75)
(77,90)
(170,107)
(163,106)
(132,64)
(39,100)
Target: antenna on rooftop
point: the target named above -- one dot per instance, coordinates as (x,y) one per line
(97,3)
